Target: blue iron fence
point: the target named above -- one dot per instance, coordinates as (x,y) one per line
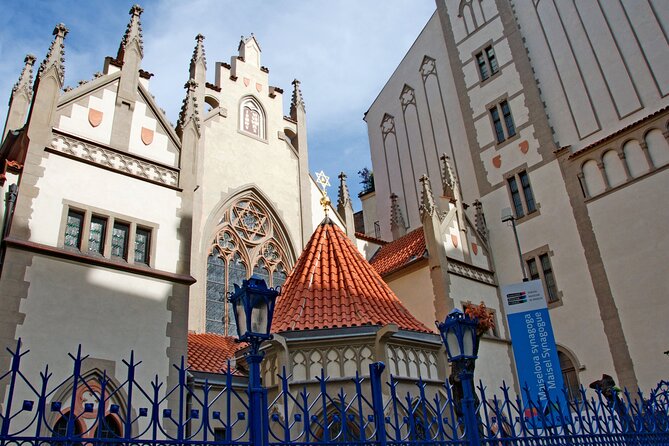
(86,409)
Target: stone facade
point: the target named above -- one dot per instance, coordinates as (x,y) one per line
(557,110)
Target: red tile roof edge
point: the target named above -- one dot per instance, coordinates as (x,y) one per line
(397,254)
(369,238)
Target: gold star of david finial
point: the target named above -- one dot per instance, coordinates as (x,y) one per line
(324,181)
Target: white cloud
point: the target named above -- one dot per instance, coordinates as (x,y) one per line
(342,52)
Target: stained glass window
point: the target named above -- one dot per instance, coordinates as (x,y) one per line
(216,292)
(75,222)
(246,243)
(120,240)
(142,243)
(96,236)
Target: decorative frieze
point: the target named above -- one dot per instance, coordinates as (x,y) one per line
(336,362)
(114,160)
(462,269)
(411,362)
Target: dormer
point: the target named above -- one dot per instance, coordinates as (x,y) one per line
(249,50)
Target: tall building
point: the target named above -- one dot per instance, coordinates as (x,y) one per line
(558,111)
(122,231)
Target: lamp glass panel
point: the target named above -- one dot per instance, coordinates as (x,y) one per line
(452,343)
(259,317)
(468,341)
(241,317)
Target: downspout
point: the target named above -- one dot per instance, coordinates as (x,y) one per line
(9,215)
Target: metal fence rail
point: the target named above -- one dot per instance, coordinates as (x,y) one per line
(85,409)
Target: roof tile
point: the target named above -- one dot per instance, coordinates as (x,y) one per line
(396,254)
(210,352)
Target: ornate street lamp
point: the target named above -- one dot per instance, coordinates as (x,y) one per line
(458,332)
(253,308)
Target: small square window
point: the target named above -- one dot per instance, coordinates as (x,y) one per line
(120,240)
(142,245)
(73,229)
(96,235)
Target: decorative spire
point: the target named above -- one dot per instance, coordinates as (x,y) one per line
(133,34)
(55,58)
(397,225)
(479,221)
(345,207)
(344,199)
(296,101)
(198,55)
(427,206)
(447,177)
(324,181)
(24,84)
(189,108)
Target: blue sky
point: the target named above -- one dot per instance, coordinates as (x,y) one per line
(342,51)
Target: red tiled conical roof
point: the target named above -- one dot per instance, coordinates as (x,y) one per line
(332,285)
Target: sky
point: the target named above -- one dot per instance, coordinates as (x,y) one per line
(342,51)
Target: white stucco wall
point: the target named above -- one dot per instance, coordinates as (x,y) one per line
(630,225)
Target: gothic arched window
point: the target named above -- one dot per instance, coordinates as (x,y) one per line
(252,118)
(247,242)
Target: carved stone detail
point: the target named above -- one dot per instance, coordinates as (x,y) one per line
(462,269)
(427,67)
(114,160)
(336,362)
(387,125)
(405,361)
(407,97)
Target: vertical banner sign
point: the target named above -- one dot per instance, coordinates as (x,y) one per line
(534,350)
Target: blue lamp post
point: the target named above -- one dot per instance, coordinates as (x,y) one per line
(253,307)
(458,333)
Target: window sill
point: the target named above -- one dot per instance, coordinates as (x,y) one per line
(76,255)
(500,145)
(529,216)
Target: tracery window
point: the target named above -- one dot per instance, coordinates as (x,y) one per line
(252,118)
(247,242)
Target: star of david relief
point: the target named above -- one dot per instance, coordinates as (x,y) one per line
(249,221)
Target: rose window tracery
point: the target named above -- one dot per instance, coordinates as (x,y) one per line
(247,241)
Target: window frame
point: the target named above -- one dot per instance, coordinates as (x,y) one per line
(524,193)
(88,215)
(486,59)
(553,294)
(501,118)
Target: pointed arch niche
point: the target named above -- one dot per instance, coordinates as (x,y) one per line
(247,240)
